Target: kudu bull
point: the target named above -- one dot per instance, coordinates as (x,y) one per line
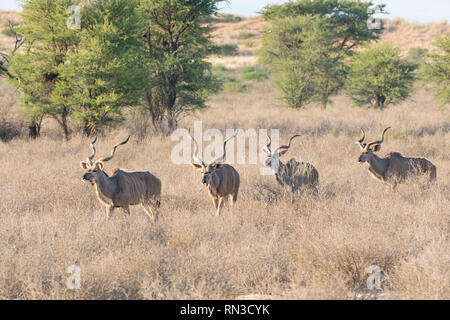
(393,168)
(221,179)
(123,188)
(294,176)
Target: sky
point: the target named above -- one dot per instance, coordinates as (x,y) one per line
(423,11)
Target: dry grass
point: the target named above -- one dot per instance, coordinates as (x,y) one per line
(407,35)
(309,249)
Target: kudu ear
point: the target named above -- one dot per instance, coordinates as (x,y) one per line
(218,165)
(196,166)
(99,165)
(85,165)
(377,147)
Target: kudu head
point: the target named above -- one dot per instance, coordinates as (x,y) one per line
(95,168)
(208,170)
(272,159)
(367,149)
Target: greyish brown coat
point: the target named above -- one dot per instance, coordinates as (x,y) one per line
(294,176)
(393,168)
(222,180)
(123,188)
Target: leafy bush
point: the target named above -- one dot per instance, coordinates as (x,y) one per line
(228,49)
(302,55)
(8,32)
(378,76)
(236,86)
(222,73)
(228,18)
(231,18)
(249,43)
(309,42)
(252,74)
(437,70)
(416,54)
(246,35)
(9,130)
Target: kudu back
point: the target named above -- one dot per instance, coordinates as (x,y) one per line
(123,188)
(393,168)
(221,179)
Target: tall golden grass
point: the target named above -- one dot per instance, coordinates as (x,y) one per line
(312,248)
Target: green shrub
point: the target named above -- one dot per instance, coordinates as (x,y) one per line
(222,73)
(228,18)
(236,86)
(416,54)
(9,130)
(378,76)
(252,74)
(246,35)
(249,43)
(231,18)
(437,71)
(8,32)
(228,49)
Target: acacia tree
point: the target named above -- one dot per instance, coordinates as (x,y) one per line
(307,67)
(378,76)
(89,73)
(308,43)
(35,70)
(178,78)
(104,74)
(437,70)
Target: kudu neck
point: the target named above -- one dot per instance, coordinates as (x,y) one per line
(280,167)
(105,184)
(378,165)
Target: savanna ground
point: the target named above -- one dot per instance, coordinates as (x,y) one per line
(314,249)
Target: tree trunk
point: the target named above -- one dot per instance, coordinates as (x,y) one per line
(64,125)
(34,130)
(87,130)
(380,101)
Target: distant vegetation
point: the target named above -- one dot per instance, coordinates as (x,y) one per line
(246,35)
(8,32)
(228,49)
(307,51)
(231,18)
(378,76)
(437,70)
(125,55)
(309,44)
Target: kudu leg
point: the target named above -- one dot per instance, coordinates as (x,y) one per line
(109,212)
(150,213)
(215,202)
(126,211)
(232,200)
(219,206)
